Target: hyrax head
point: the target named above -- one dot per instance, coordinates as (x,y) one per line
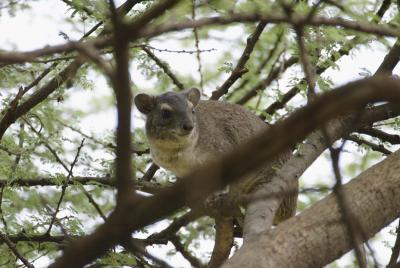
(170,116)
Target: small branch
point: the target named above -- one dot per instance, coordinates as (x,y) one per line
(194,262)
(307,67)
(263,84)
(373,146)
(240,68)
(196,43)
(386,137)
(91,53)
(395,249)
(390,61)
(177,223)
(180,51)
(104,144)
(3,220)
(164,66)
(14,249)
(64,187)
(353,226)
(150,172)
(262,64)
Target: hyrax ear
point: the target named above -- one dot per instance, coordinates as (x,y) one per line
(145,103)
(193,95)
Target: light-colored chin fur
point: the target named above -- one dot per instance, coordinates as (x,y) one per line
(173,141)
(173,154)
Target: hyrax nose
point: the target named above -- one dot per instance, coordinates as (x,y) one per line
(187,126)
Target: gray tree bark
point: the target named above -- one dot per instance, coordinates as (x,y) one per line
(319,235)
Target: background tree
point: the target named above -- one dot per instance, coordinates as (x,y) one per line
(74,197)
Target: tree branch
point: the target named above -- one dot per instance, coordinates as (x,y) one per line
(321,228)
(240,68)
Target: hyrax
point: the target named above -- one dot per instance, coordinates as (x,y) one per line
(184,132)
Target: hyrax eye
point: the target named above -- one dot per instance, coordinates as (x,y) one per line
(193,111)
(165,113)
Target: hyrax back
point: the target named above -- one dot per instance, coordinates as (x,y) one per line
(185,132)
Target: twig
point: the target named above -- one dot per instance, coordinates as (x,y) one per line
(390,61)
(373,146)
(307,67)
(64,187)
(91,53)
(274,74)
(14,249)
(240,68)
(196,43)
(164,66)
(194,262)
(351,222)
(3,220)
(104,144)
(395,249)
(177,224)
(44,142)
(262,64)
(180,50)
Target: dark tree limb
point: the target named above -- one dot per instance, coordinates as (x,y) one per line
(386,137)
(390,61)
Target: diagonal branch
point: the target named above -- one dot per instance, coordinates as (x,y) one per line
(64,187)
(240,68)
(164,66)
(14,249)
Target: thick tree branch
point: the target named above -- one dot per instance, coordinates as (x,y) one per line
(386,137)
(375,191)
